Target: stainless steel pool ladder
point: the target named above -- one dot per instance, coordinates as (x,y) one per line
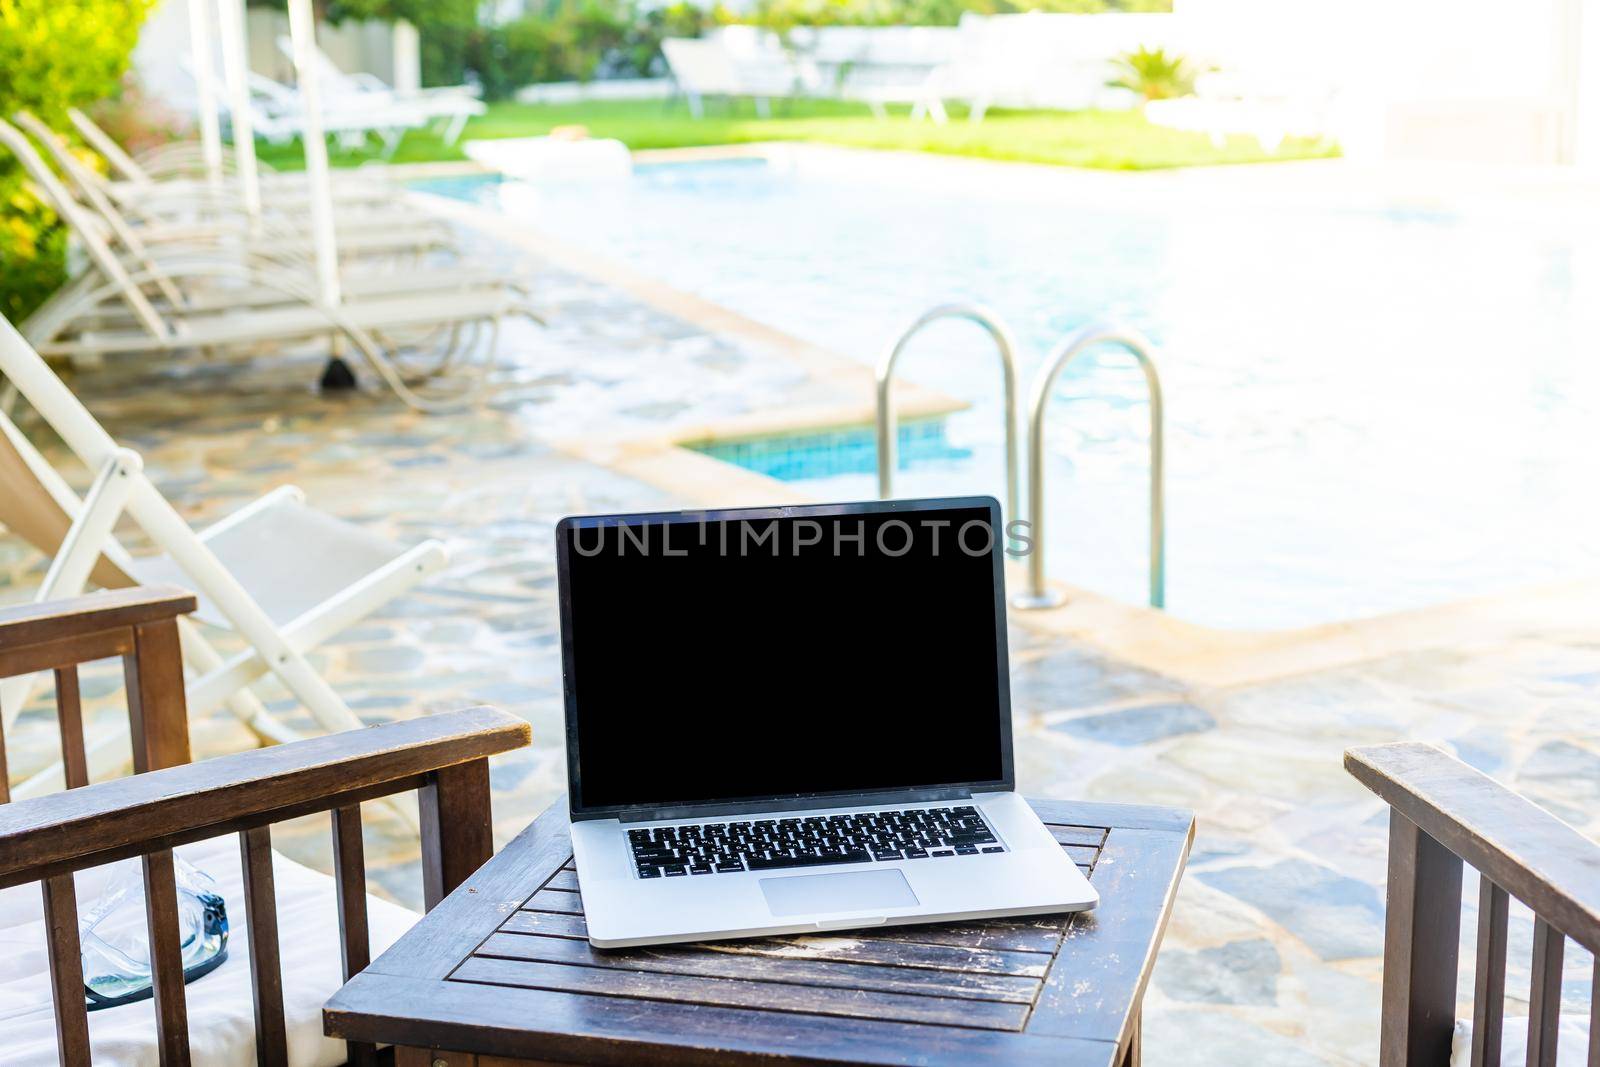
(888,423)
(1039,594)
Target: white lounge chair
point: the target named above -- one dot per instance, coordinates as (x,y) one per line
(706,67)
(174,172)
(283,576)
(209,216)
(349,120)
(105,310)
(449,107)
(702,68)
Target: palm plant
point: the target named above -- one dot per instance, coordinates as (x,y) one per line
(1153,74)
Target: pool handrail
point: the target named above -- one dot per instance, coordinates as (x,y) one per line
(1038,594)
(888,423)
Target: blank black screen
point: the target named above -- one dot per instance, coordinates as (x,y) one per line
(762,658)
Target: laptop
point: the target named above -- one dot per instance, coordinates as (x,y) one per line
(787,720)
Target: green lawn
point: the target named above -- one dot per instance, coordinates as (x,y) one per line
(1106,140)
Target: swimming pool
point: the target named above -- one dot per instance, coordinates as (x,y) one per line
(1370,408)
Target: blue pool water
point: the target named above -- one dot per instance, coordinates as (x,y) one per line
(827,454)
(1370,408)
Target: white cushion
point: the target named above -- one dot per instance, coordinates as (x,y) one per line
(1572,1043)
(221,1016)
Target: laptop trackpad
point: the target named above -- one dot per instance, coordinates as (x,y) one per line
(851,891)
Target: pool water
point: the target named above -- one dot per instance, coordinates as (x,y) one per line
(843,453)
(1368,409)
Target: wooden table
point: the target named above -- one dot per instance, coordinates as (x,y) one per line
(500,973)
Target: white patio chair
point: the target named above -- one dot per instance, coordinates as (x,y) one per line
(106,311)
(448,106)
(283,576)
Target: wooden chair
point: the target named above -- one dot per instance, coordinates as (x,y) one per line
(170,802)
(1443,814)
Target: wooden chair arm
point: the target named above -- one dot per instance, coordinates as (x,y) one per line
(1519,846)
(50,835)
(41,632)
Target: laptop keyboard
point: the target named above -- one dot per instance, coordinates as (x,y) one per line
(773,844)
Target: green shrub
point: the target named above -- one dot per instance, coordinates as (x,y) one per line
(570,40)
(54,54)
(781,16)
(1153,74)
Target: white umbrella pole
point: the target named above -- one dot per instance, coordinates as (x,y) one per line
(303,32)
(205,71)
(236,70)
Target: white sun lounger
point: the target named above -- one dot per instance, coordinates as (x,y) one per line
(216,217)
(449,107)
(171,175)
(68,326)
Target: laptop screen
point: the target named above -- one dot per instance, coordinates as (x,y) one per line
(779,653)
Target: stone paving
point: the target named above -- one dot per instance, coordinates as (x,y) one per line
(1273,953)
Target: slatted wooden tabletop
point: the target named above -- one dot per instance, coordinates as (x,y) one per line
(501,972)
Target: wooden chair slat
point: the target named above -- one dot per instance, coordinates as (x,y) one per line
(66,969)
(73,648)
(1420,947)
(5,773)
(157,705)
(125,816)
(1594,1016)
(698,961)
(727,992)
(457,838)
(350,883)
(69,720)
(1544,994)
(1489,975)
(37,623)
(261,928)
(166,958)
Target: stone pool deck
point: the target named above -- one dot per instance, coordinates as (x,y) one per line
(1273,955)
